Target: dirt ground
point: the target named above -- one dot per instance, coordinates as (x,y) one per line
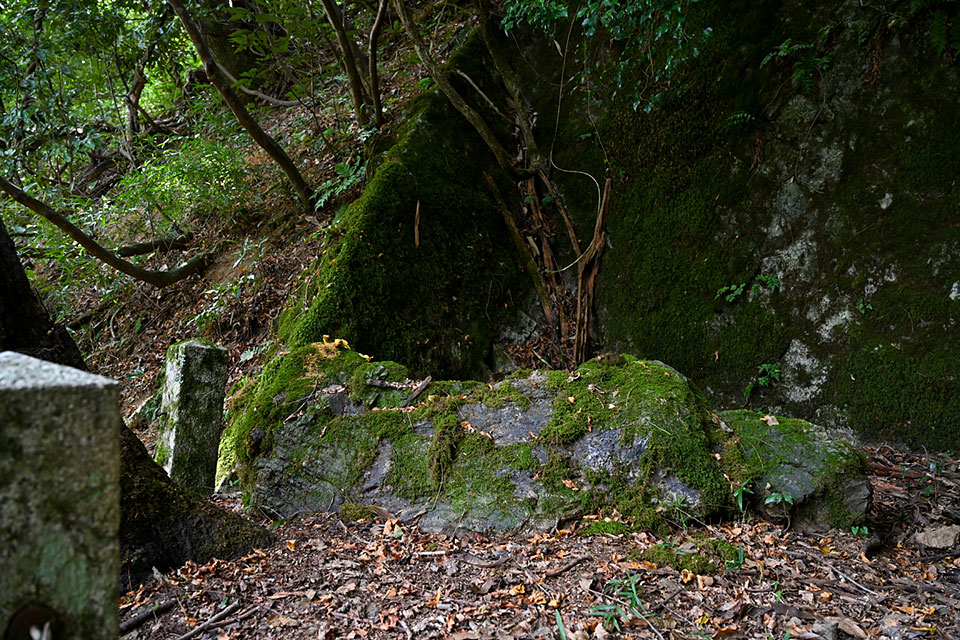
(378,578)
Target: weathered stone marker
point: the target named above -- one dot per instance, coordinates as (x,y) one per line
(59,500)
(192,422)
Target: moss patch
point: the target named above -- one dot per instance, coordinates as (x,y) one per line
(420,274)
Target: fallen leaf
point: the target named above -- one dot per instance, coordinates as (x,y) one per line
(292,545)
(281,621)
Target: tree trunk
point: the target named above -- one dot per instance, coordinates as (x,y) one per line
(436,73)
(374,72)
(334,17)
(233,101)
(161,525)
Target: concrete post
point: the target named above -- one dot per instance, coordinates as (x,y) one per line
(59,500)
(189,436)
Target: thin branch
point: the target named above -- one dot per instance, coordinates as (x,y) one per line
(156,278)
(253,92)
(468,112)
(260,136)
(373,72)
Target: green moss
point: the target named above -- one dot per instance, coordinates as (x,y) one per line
(496,396)
(371,395)
(646,400)
(284,387)
(447,435)
(162,454)
(410,278)
(664,555)
(352,511)
(602,527)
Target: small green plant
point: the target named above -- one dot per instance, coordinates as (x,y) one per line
(678,508)
(943,35)
(624,591)
(767,374)
(859,530)
(741,491)
(736,563)
(806,65)
(737,119)
(778,497)
(349,177)
(731,292)
(863,307)
(771,283)
(560,630)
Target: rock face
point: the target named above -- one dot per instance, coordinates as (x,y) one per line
(192,414)
(59,499)
(809,168)
(528,453)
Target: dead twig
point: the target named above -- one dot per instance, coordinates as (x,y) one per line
(206,625)
(138,620)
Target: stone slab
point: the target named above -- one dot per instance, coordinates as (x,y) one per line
(189,436)
(59,499)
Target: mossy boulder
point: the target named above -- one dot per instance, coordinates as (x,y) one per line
(416,270)
(821,185)
(530,452)
(793,471)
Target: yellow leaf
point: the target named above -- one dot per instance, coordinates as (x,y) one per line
(571,400)
(516,590)
(537,597)
(687,576)
(292,545)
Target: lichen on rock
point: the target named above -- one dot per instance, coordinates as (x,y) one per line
(530,452)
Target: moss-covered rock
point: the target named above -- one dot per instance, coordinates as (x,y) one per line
(824,206)
(791,471)
(420,273)
(531,452)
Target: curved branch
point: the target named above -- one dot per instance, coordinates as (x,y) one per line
(261,137)
(254,92)
(156,278)
(374,74)
(461,105)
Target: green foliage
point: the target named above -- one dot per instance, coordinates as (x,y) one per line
(779,498)
(350,176)
(945,33)
(808,67)
(205,178)
(651,39)
(731,292)
(626,603)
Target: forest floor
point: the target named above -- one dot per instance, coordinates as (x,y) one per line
(377,578)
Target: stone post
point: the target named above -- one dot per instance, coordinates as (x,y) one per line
(189,437)
(59,500)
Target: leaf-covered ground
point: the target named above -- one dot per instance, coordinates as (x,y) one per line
(378,578)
